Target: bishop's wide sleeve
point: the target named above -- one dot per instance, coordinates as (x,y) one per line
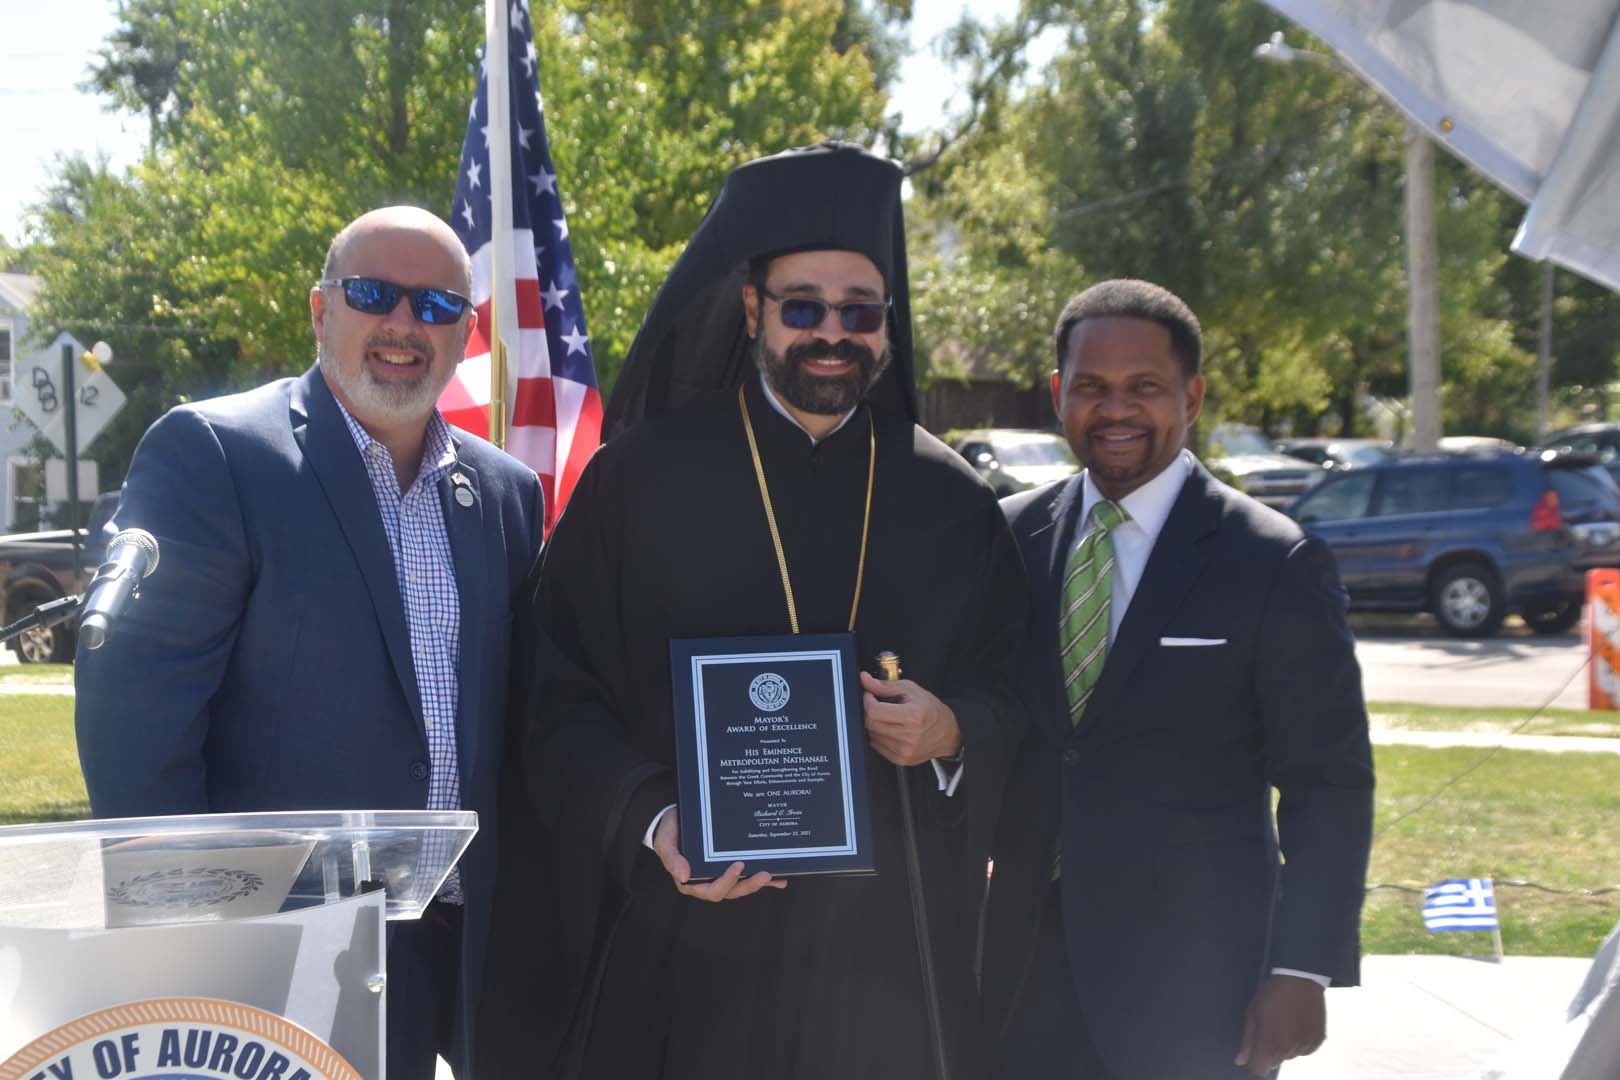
(982,685)
(588,780)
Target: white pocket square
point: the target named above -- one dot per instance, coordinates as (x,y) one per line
(1191,642)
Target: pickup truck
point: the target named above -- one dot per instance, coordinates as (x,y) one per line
(38,567)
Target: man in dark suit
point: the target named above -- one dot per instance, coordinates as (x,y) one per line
(328,627)
(1187,653)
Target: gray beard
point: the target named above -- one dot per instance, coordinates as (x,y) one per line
(390,400)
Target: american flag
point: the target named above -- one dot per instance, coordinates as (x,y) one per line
(556,410)
(1460,904)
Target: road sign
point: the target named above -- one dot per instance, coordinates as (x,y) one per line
(37,390)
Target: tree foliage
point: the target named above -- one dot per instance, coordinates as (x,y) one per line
(1269,197)
(1152,144)
(274,124)
(139,66)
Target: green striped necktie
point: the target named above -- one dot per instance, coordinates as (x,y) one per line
(1083,621)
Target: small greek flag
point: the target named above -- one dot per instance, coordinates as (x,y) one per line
(1460,904)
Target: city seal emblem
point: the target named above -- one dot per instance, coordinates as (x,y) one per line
(186,888)
(769,692)
(178,1038)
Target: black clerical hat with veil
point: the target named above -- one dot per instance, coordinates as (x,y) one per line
(694,343)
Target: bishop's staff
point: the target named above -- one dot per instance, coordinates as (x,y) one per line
(889,671)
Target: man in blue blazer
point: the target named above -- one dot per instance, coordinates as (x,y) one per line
(1187,652)
(329,623)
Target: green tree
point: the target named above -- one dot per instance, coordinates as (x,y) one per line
(13,260)
(109,273)
(279,122)
(139,66)
(1154,145)
(650,105)
(987,283)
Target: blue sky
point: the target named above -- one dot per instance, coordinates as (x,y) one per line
(46,49)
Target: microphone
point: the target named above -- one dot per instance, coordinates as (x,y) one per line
(131,555)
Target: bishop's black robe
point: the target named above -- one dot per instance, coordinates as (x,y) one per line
(665,537)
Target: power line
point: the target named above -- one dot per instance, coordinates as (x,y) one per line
(1487,756)
(1516,883)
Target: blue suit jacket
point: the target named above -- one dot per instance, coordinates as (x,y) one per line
(1175,901)
(266,664)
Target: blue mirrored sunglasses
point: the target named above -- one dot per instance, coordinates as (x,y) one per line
(374,296)
(807,313)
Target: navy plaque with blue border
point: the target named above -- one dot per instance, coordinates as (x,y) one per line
(770,750)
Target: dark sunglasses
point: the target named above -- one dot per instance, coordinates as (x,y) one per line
(807,313)
(374,296)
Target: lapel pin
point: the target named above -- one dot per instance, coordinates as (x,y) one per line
(464,495)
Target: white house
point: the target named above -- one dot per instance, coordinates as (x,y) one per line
(19,479)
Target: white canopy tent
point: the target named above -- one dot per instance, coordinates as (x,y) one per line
(1527,91)
(1587,1046)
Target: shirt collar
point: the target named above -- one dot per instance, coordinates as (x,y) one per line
(1149,505)
(770,396)
(438,449)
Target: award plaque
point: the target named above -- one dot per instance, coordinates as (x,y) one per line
(770,748)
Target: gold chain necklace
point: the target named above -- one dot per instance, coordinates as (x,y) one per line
(776,535)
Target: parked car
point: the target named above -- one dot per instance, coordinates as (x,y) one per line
(1601,440)
(1271,477)
(1452,444)
(1012,459)
(1470,537)
(37,568)
(1337,453)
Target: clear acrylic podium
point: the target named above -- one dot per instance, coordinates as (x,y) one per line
(283,912)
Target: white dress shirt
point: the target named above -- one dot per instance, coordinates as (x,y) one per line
(1149,507)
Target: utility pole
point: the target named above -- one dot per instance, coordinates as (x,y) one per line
(1544,351)
(1423,293)
(70,402)
(1422,247)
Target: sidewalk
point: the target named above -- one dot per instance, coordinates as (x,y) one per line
(1557,744)
(1429,1017)
(1437,1017)
(65,689)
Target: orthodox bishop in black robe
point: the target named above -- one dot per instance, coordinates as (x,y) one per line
(666,537)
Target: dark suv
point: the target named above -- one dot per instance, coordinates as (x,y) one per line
(1470,537)
(1602,440)
(36,568)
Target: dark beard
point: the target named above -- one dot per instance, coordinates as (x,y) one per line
(822,395)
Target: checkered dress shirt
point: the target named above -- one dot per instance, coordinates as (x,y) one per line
(414,522)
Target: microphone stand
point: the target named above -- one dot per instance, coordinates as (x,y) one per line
(45,615)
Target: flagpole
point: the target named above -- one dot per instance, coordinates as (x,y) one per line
(501,293)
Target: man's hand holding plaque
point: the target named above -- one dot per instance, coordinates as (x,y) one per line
(730,885)
(770,761)
(907,724)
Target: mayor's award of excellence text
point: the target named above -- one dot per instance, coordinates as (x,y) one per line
(770,748)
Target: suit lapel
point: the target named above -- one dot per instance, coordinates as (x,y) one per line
(1047,546)
(324,438)
(465,526)
(1179,556)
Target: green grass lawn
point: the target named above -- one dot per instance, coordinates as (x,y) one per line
(39,765)
(1408,717)
(1553,819)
